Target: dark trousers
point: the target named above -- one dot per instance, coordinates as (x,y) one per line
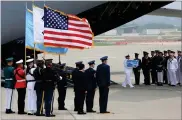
(81,99)
(137,76)
(21,99)
(62,96)
(146,74)
(154,76)
(40,101)
(48,97)
(165,77)
(76,100)
(103,99)
(90,99)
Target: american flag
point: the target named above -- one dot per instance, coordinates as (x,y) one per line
(66,31)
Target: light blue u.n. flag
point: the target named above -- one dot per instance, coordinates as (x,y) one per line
(29,38)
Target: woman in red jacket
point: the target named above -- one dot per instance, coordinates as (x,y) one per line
(20,86)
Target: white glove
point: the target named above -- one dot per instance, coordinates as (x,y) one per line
(25,66)
(35,65)
(60,78)
(44,66)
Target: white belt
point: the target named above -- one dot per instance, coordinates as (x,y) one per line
(9,79)
(21,80)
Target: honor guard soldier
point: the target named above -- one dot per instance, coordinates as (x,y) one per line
(39,87)
(146,68)
(9,84)
(20,86)
(172,66)
(159,69)
(165,81)
(127,71)
(91,86)
(62,87)
(81,88)
(74,78)
(179,71)
(30,87)
(137,70)
(153,66)
(50,78)
(103,81)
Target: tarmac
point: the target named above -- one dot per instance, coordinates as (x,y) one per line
(142,102)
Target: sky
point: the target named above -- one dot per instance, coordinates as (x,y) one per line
(174,5)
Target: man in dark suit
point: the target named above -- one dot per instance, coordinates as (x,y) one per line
(103,81)
(74,78)
(62,87)
(146,68)
(137,70)
(91,86)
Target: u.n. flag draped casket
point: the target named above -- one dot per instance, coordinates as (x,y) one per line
(132,63)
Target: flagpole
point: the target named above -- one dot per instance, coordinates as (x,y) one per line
(34,52)
(25,34)
(59,59)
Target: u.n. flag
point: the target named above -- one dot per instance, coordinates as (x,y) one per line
(68,31)
(29,37)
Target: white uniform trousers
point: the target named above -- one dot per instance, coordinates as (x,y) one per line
(160,77)
(172,76)
(32,99)
(9,97)
(179,76)
(168,78)
(127,80)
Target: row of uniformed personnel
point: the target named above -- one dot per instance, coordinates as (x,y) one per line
(86,81)
(41,82)
(164,68)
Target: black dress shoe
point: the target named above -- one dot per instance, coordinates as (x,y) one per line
(81,113)
(50,115)
(21,113)
(9,111)
(62,109)
(30,114)
(105,112)
(91,111)
(40,114)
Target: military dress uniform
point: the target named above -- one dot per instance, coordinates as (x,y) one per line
(20,86)
(137,70)
(62,87)
(9,85)
(165,80)
(91,86)
(50,78)
(31,101)
(39,87)
(172,66)
(179,71)
(81,88)
(127,71)
(103,81)
(146,69)
(159,69)
(153,67)
(74,78)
